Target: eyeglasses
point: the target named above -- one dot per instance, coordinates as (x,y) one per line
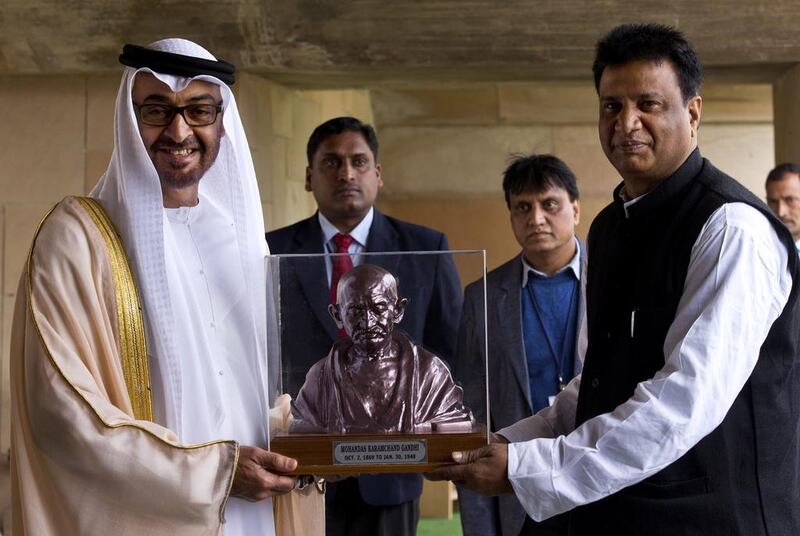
(161,115)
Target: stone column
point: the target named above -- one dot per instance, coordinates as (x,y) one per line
(786,110)
(278,121)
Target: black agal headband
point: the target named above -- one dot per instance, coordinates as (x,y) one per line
(176,64)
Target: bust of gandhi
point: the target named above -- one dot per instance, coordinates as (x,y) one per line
(377,380)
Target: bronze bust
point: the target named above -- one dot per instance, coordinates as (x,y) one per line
(377,380)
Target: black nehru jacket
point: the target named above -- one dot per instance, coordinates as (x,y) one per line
(741,479)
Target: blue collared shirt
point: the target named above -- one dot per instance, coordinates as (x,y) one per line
(574,264)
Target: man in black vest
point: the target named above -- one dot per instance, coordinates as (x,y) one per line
(685,419)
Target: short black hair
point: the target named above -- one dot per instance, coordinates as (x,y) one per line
(650,42)
(337,125)
(780,170)
(537,173)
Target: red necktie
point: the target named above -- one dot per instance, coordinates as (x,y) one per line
(341,263)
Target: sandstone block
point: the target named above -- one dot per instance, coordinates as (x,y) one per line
(43,151)
(745,152)
(548,103)
(336,103)
(737,103)
(281,106)
(579,147)
(435,106)
(453,161)
(20,223)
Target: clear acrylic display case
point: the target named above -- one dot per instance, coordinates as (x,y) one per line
(384,382)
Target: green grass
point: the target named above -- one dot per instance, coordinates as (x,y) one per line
(439,527)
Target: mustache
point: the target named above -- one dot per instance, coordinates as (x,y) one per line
(630,141)
(164,142)
(370,332)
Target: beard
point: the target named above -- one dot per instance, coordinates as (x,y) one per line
(176,175)
(178,179)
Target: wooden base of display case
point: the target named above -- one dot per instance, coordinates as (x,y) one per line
(353,454)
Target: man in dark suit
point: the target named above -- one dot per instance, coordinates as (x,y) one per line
(344,176)
(783,197)
(535,317)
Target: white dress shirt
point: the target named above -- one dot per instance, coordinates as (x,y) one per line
(737,284)
(360,234)
(574,264)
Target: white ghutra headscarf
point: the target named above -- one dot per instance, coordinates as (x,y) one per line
(130,191)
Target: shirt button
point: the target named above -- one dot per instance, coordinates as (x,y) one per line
(212,324)
(595,383)
(221,373)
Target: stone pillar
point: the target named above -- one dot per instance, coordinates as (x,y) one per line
(278,121)
(786,110)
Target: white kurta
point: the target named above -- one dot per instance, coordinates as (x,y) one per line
(221,396)
(737,284)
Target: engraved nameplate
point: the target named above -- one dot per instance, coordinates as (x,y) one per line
(408,451)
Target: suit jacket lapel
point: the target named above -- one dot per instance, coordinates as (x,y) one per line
(312,274)
(509,312)
(383,238)
(581,334)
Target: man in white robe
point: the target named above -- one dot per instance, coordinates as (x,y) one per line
(114,436)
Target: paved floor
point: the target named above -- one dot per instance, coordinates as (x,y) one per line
(440,527)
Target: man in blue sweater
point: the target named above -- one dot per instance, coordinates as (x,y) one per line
(535,315)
